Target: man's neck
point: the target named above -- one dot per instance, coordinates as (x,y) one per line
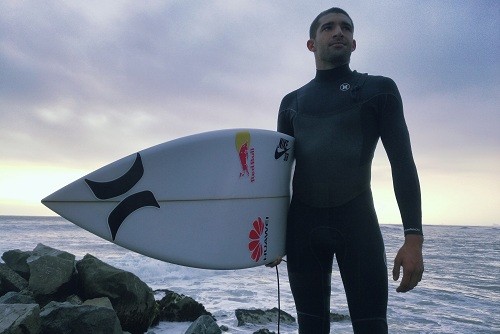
(334,73)
(322,65)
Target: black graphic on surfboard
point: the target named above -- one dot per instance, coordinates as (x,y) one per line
(120,186)
(282,150)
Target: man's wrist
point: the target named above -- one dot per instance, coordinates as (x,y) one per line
(413,230)
(414,239)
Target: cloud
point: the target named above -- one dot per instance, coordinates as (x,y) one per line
(94,81)
(83,83)
(120,74)
(431,46)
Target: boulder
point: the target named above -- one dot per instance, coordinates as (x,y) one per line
(176,307)
(52,273)
(10,280)
(62,318)
(17,298)
(205,324)
(261,317)
(74,299)
(19,318)
(42,250)
(131,298)
(16,260)
(101,302)
(264,331)
(49,274)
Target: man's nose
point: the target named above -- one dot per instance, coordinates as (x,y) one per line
(337,31)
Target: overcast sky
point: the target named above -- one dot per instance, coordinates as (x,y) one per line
(83,83)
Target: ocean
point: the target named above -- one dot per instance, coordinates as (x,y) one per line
(459,294)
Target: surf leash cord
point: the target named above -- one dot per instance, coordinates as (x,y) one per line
(279,298)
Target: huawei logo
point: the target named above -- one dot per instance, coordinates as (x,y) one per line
(258,239)
(345,87)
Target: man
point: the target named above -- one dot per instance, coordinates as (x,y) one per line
(336,120)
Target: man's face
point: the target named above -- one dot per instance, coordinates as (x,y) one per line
(334,41)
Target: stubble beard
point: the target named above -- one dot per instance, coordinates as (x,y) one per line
(337,58)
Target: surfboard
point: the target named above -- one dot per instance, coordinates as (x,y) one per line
(215,200)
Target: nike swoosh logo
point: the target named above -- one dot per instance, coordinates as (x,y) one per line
(279,153)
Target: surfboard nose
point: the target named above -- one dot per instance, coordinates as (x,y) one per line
(64,194)
(50,198)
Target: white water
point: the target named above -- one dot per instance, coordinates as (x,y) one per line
(460,293)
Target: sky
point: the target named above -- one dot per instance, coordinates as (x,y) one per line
(84,83)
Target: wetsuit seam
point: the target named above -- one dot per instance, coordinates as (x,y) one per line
(309,314)
(368,99)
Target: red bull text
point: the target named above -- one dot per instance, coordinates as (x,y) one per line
(246,155)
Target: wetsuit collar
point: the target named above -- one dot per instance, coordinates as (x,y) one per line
(333,74)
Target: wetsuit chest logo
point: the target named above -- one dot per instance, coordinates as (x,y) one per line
(345,87)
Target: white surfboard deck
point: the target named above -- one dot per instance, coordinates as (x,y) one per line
(216,200)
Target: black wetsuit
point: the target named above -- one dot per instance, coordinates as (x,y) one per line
(337,120)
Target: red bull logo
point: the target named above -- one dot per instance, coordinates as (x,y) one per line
(246,154)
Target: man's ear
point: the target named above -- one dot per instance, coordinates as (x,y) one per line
(353,45)
(311,46)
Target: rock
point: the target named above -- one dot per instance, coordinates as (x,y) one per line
(132,299)
(52,274)
(17,298)
(205,324)
(101,302)
(74,299)
(264,331)
(62,318)
(42,250)
(262,317)
(19,318)
(176,307)
(16,260)
(10,280)
(49,274)
(224,328)
(335,317)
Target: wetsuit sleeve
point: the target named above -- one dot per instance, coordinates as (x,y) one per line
(396,141)
(286,113)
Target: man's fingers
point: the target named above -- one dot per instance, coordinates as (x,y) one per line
(274,263)
(405,282)
(395,273)
(396,269)
(410,279)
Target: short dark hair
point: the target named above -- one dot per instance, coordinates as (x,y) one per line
(315,24)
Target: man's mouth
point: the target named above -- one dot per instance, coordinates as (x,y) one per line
(337,44)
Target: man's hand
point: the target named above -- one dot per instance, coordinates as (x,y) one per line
(410,258)
(275,262)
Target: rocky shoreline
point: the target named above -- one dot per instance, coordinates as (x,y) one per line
(47,291)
